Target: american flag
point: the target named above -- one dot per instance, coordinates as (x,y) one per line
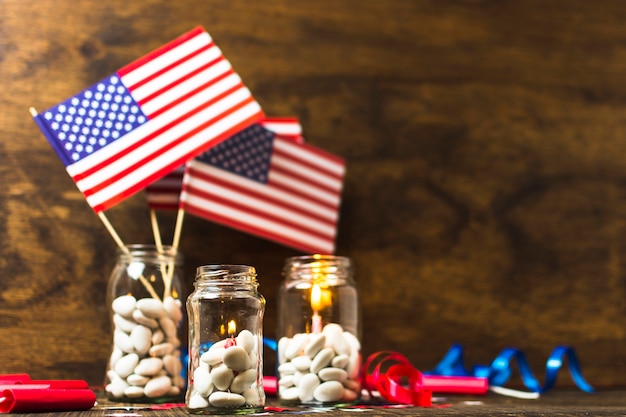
(269,186)
(164,194)
(148,118)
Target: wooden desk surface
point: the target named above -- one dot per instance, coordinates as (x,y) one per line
(558,402)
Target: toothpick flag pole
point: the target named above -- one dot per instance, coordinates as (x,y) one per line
(155,231)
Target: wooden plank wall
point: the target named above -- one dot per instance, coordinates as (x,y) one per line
(485,197)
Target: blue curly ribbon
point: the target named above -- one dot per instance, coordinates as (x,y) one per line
(500,369)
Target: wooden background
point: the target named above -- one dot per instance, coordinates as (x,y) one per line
(485,197)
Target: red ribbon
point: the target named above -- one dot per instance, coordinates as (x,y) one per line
(396,380)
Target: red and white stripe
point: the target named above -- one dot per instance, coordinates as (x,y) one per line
(298,207)
(193,99)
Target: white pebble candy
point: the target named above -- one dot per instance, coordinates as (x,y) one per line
(116,354)
(125,365)
(123,324)
(316,343)
(133,392)
(161,349)
(236,358)
(306,386)
(169,327)
(158,386)
(322,359)
(141,337)
(352,340)
(222,376)
(340,361)
(302,363)
(252,396)
(289,394)
(329,391)
(286,381)
(158,337)
(333,374)
(197,401)
(213,356)
(137,380)
(123,341)
(117,386)
(283,342)
(202,382)
(243,381)
(296,344)
(226,399)
(151,307)
(246,340)
(149,366)
(173,307)
(124,305)
(141,318)
(286,369)
(172,364)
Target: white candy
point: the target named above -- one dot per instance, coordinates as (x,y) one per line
(322,359)
(141,337)
(329,391)
(172,364)
(296,345)
(246,340)
(307,385)
(286,369)
(243,381)
(151,307)
(302,363)
(149,366)
(137,380)
(316,343)
(340,361)
(158,386)
(226,399)
(125,365)
(161,349)
(213,356)
(123,324)
(124,305)
(252,396)
(123,341)
(222,376)
(133,392)
(197,401)
(289,394)
(333,374)
(202,382)
(173,307)
(236,358)
(141,318)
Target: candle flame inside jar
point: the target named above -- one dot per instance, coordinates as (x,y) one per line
(232,328)
(316,297)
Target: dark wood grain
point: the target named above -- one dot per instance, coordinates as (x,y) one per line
(485,196)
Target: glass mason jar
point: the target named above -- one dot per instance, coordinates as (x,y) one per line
(319,349)
(225,311)
(144,296)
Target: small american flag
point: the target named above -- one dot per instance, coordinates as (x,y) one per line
(164,194)
(148,118)
(269,186)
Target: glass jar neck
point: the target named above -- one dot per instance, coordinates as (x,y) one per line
(149,253)
(318,268)
(225,275)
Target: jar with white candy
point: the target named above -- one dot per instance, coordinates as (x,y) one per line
(225,311)
(148,326)
(319,349)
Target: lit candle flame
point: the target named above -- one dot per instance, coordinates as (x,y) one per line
(232,328)
(316,297)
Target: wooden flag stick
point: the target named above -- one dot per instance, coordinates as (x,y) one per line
(178,229)
(156,231)
(175,243)
(123,247)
